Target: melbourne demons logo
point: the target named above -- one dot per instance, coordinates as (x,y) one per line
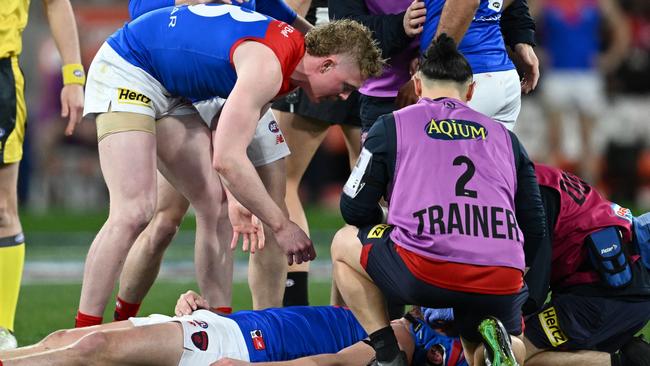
(273,127)
(200,340)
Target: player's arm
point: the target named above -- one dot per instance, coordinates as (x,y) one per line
(456,17)
(393,32)
(620,35)
(280,10)
(257,83)
(531,217)
(370,176)
(64,32)
(518,30)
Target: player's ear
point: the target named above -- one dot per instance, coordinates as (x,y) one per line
(327,65)
(417,84)
(470,90)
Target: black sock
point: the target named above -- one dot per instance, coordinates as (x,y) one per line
(616,359)
(385,344)
(295,291)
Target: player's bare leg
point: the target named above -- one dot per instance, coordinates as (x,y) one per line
(128,162)
(360,293)
(60,338)
(143,262)
(541,357)
(304,136)
(267,269)
(159,344)
(186,161)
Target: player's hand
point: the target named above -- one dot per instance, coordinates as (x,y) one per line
(527,64)
(189,302)
(247,225)
(295,243)
(72,105)
(230,362)
(414,18)
(406,95)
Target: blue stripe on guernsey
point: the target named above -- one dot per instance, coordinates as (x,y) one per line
(483,44)
(297,331)
(187,49)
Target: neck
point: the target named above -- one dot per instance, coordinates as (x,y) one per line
(299,75)
(440,90)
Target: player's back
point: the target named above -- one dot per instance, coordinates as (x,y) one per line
(297,331)
(482,44)
(189,49)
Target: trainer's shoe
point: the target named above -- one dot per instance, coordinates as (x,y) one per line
(400,360)
(7,340)
(496,340)
(636,352)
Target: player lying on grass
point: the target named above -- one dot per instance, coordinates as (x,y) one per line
(200,337)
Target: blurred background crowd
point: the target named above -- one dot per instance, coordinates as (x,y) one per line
(589,117)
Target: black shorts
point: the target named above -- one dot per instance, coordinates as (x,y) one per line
(575,322)
(342,112)
(386,268)
(371,108)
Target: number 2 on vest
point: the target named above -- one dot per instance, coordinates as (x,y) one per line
(465,177)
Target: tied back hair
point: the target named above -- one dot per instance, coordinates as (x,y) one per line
(442,61)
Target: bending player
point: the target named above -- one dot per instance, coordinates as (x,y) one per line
(213,260)
(254,59)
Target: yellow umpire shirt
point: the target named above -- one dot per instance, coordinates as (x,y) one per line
(13,20)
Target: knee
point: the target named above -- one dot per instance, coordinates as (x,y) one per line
(56,339)
(135,216)
(341,243)
(166,224)
(90,348)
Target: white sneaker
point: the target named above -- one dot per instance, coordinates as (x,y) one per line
(7,340)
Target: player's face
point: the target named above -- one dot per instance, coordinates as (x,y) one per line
(435,356)
(336,79)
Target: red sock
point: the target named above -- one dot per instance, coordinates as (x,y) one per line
(221,309)
(85,320)
(124,310)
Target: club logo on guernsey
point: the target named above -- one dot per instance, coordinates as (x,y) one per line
(128,96)
(452,129)
(551,326)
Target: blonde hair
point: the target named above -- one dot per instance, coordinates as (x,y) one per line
(346,37)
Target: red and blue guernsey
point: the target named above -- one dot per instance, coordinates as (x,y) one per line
(189,49)
(458,206)
(297,331)
(483,44)
(582,212)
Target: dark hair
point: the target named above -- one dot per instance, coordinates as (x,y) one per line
(443,61)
